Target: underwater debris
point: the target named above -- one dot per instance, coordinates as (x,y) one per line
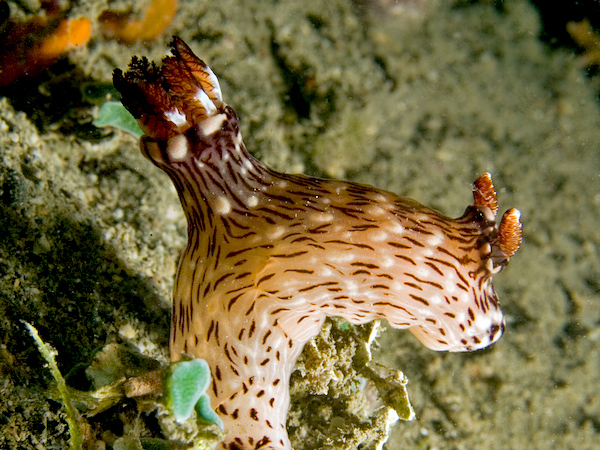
(585,36)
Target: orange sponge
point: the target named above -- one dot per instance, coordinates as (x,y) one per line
(21,58)
(123,28)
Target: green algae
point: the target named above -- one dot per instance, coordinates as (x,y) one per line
(185,392)
(114,114)
(73,418)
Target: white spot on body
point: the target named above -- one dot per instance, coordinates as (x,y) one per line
(449,283)
(435,299)
(374,210)
(325,272)
(351,287)
(436,239)
(252,201)
(387,262)
(210,125)
(392,226)
(397,287)
(191,264)
(482,323)
(343,257)
(423,272)
(222,205)
(321,217)
(378,235)
(276,232)
(379,198)
(178,148)
(428,252)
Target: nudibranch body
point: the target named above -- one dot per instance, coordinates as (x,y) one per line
(270,255)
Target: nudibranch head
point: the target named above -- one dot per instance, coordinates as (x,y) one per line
(270,255)
(170,99)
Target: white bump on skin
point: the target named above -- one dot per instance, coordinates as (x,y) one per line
(340,257)
(435,240)
(321,217)
(379,198)
(435,299)
(351,287)
(191,264)
(222,206)
(276,232)
(378,235)
(482,322)
(325,272)
(248,164)
(392,226)
(423,272)
(252,201)
(374,210)
(212,124)
(178,147)
(397,287)
(387,262)
(449,286)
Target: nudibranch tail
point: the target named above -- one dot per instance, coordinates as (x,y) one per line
(270,255)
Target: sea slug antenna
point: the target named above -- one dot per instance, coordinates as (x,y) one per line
(270,255)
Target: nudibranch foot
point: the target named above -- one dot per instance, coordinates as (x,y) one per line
(270,255)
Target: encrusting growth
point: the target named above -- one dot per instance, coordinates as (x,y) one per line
(270,255)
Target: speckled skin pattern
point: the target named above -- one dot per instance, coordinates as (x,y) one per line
(270,255)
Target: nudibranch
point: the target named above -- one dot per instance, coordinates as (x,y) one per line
(270,255)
